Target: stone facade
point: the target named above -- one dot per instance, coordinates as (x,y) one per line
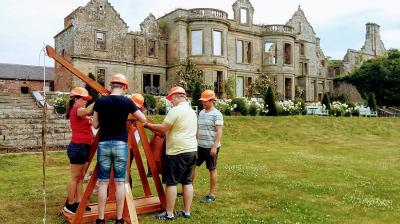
(95,39)
(373,47)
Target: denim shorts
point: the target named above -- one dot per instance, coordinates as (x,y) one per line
(112,152)
(78,153)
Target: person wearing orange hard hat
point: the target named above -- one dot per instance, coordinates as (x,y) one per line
(175,91)
(138,99)
(79,147)
(179,126)
(110,115)
(209,133)
(119,79)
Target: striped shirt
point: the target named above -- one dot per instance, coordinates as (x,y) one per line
(207,127)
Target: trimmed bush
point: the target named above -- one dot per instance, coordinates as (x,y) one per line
(150,102)
(227,112)
(196,93)
(372,101)
(269,103)
(240,106)
(161,106)
(253,110)
(326,101)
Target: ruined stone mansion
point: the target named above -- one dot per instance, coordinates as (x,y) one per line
(96,40)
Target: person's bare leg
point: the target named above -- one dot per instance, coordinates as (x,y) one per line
(194,174)
(102,198)
(120,197)
(213,182)
(73,183)
(79,186)
(171,198)
(187,197)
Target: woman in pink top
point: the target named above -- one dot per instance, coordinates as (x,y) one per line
(79,148)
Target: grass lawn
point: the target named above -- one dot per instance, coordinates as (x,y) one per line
(297,169)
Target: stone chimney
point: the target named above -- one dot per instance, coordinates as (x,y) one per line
(373,44)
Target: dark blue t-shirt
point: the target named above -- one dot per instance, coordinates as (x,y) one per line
(113,112)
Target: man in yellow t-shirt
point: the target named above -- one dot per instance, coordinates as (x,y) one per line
(180,127)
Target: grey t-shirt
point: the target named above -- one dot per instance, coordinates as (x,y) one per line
(207,127)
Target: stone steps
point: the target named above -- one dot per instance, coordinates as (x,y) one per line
(8,123)
(21,123)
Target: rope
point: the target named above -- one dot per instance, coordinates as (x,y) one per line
(44,131)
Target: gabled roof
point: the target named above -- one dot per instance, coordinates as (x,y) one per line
(25,72)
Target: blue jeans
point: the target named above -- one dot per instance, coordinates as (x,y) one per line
(115,152)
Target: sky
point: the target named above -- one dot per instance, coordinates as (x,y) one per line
(26,25)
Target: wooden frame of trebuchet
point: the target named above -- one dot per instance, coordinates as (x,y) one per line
(154,151)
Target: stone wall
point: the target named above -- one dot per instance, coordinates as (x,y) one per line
(128,52)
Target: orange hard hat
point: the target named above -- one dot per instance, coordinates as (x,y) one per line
(207,95)
(119,78)
(174,90)
(80,91)
(138,99)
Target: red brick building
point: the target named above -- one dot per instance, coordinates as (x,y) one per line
(24,78)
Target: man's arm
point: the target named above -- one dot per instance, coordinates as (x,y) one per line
(140,116)
(163,127)
(95,121)
(217,140)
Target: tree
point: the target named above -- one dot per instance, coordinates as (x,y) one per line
(229,87)
(92,92)
(393,53)
(326,101)
(196,93)
(380,76)
(269,103)
(372,102)
(260,85)
(188,75)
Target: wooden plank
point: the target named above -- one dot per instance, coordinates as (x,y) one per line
(152,163)
(130,204)
(139,162)
(93,84)
(143,205)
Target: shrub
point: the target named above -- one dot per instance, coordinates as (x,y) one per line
(60,103)
(239,105)
(269,103)
(372,101)
(302,106)
(196,93)
(253,110)
(161,106)
(150,102)
(229,87)
(228,112)
(326,101)
(224,106)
